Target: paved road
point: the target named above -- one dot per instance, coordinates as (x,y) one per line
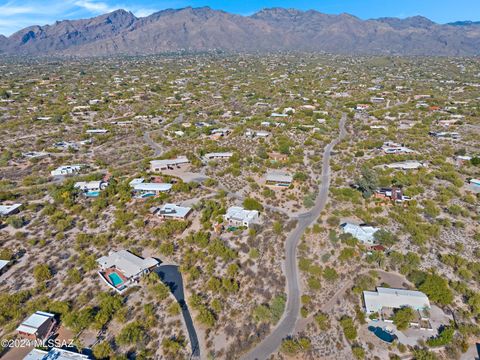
(286,326)
(157,148)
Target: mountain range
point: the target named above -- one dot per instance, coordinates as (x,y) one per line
(269,30)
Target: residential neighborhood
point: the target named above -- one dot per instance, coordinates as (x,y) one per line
(240,206)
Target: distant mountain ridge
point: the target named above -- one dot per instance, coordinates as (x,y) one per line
(276,29)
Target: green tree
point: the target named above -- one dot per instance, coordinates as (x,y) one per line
(403,317)
(445,337)
(385,238)
(252,204)
(368,182)
(42,273)
(349,328)
(132,333)
(294,346)
(437,289)
(102,350)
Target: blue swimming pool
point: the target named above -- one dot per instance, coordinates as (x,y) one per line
(382,334)
(92,193)
(115,279)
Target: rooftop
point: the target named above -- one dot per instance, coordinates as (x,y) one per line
(152,187)
(32,323)
(394,298)
(126,262)
(174,210)
(279,176)
(54,354)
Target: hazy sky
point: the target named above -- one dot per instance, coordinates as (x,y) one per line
(17,14)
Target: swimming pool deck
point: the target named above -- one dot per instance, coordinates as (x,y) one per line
(105,275)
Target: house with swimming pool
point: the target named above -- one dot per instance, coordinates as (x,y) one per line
(91,188)
(122,269)
(143,189)
(383,303)
(278,179)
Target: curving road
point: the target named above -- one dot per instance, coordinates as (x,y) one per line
(286,326)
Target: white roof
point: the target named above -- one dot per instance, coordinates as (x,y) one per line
(152,187)
(8,209)
(126,262)
(394,298)
(3,263)
(169,162)
(279,176)
(136,181)
(97,131)
(88,185)
(30,325)
(174,210)
(218,154)
(361,232)
(54,354)
(262,133)
(240,214)
(405,165)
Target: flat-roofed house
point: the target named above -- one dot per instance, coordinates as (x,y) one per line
(6,210)
(238,216)
(405,165)
(168,164)
(97,131)
(55,354)
(362,232)
(278,178)
(88,186)
(394,194)
(221,132)
(121,269)
(475,182)
(66,170)
(385,300)
(218,155)
(4,266)
(150,189)
(39,325)
(172,211)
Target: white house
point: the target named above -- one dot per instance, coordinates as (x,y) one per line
(3,265)
(405,165)
(159,165)
(54,353)
(362,232)
(6,210)
(238,216)
(260,134)
(66,170)
(97,131)
(394,148)
(35,154)
(475,182)
(172,211)
(136,181)
(278,178)
(218,155)
(87,186)
(221,132)
(278,115)
(122,268)
(151,188)
(389,298)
